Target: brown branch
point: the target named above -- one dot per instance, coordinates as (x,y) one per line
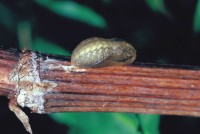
(8,60)
(138,88)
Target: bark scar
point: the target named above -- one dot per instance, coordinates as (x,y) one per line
(30,89)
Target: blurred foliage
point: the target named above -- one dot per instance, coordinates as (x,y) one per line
(149,123)
(56,26)
(7,17)
(157,6)
(42,45)
(24,33)
(196,24)
(73,10)
(108,123)
(106,1)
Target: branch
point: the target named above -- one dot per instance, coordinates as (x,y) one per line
(140,88)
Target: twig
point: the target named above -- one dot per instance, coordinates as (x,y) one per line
(126,89)
(140,88)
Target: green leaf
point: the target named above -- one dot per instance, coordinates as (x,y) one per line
(149,123)
(24,33)
(45,46)
(99,123)
(157,6)
(73,10)
(196,22)
(7,17)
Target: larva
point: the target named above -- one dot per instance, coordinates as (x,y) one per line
(99,52)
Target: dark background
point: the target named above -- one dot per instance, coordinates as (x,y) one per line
(158,37)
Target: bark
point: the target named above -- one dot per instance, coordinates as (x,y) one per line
(139,88)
